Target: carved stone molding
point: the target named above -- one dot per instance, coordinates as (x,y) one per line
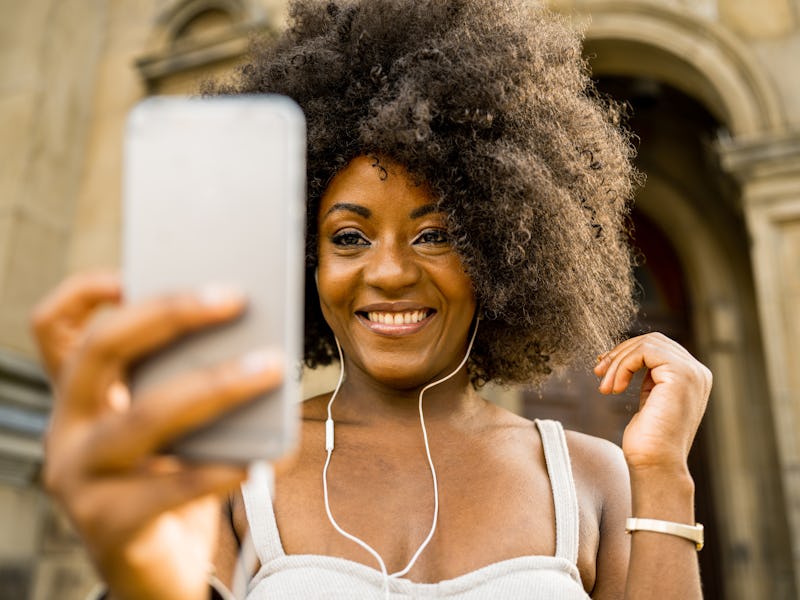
(169,52)
(694,54)
(768,157)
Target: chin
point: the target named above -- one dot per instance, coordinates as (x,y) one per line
(401,377)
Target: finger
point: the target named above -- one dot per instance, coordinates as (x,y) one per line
(137,330)
(56,320)
(175,489)
(650,351)
(621,369)
(144,327)
(605,360)
(628,358)
(176,408)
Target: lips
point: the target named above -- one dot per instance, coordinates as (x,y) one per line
(395,319)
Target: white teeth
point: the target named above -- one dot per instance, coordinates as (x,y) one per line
(397,318)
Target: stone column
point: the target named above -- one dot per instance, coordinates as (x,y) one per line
(768,172)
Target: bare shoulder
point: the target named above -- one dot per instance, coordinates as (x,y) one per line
(601,474)
(594,452)
(598,465)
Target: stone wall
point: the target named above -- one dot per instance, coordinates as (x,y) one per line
(72,69)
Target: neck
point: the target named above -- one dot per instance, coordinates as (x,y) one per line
(362,399)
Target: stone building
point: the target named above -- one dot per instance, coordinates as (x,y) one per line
(714,89)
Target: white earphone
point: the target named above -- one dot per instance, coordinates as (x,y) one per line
(329,445)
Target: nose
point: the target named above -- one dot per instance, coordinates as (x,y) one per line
(392,266)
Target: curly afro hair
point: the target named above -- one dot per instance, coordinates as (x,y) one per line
(490,103)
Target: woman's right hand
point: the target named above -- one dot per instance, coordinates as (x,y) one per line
(148,521)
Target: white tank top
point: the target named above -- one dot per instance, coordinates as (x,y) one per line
(311,576)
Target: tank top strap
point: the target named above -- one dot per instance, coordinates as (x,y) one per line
(260,513)
(565,499)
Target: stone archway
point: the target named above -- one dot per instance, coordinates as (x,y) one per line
(653,43)
(696,56)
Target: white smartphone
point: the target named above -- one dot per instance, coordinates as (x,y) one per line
(214,192)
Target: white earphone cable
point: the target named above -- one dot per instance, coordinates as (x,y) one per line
(329,444)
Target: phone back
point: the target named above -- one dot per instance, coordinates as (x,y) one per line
(214,192)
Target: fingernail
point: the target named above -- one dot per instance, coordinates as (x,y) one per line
(218,295)
(260,360)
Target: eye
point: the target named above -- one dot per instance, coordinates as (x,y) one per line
(436,237)
(348,238)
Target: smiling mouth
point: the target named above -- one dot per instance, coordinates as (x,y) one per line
(406,317)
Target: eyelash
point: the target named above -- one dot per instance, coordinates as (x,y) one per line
(441,237)
(350,238)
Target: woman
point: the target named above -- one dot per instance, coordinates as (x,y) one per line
(467,198)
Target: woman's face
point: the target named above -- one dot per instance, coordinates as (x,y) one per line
(390,285)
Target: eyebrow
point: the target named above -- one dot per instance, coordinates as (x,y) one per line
(424,210)
(361,211)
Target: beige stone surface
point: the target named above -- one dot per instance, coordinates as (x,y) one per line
(20,522)
(44,111)
(18,51)
(780,58)
(188,82)
(788,255)
(34,260)
(54,151)
(18,20)
(758,19)
(6,232)
(16,115)
(117,88)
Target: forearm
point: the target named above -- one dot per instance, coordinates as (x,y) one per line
(662,566)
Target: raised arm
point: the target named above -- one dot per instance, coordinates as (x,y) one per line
(151,523)
(656,446)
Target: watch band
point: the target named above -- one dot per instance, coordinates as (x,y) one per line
(693,533)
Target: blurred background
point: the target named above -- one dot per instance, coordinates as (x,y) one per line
(714,92)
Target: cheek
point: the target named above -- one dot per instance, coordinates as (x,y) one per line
(334,283)
(456,284)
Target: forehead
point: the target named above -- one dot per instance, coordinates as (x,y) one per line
(377,183)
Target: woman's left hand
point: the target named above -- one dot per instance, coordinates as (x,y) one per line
(672,399)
